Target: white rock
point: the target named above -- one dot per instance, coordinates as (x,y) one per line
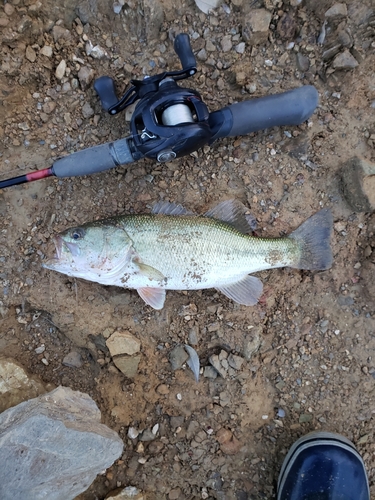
(207,5)
(133,433)
(117,8)
(60,70)
(128,365)
(344,60)
(30,54)
(240,48)
(338,10)
(46,51)
(123,342)
(128,493)
(16,385)
(96,52)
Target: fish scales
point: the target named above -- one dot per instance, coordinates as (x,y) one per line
(198,252)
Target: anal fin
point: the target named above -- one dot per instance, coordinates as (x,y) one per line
(247,291)
(154,297)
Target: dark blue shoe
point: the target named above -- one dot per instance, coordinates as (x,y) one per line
(323,466)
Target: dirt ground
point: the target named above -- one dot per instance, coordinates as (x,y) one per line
(308,346)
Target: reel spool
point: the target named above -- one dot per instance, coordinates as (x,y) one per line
(176,114)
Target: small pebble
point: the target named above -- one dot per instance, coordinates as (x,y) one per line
(40,349)
(204,494)
(240,48)
(60,70)
(133,433)
(8,9)
(46,51)
(117,8)
(73,360)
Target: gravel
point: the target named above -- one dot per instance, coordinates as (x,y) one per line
(298,361)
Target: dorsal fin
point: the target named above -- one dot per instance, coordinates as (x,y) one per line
(233,212)
(168,208)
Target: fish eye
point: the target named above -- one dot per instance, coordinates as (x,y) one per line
(78,233)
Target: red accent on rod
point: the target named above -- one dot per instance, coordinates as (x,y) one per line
(39,174)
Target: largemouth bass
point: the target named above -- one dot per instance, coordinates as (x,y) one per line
(173,249)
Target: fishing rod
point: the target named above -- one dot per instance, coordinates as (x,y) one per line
(170,121)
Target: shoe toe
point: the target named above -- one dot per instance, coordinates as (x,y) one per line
(323,469)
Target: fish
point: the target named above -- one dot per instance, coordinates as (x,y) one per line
(172,248)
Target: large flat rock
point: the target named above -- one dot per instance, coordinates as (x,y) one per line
(53,446)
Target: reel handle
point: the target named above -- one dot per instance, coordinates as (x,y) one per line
(182,48)
(105,88)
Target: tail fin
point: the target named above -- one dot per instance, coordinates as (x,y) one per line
(313,238)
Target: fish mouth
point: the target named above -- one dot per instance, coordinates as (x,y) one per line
(60,244)
(51,262)
(58,241)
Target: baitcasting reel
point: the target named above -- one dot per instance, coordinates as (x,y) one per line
(169,121)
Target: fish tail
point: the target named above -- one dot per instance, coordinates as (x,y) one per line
(313,238)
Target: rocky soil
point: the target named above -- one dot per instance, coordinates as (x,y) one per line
(304,357)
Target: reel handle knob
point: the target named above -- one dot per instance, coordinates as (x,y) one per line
(105,88)
(182,48)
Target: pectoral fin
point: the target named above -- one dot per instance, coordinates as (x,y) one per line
(154,297)
(150,272)
(246,291)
